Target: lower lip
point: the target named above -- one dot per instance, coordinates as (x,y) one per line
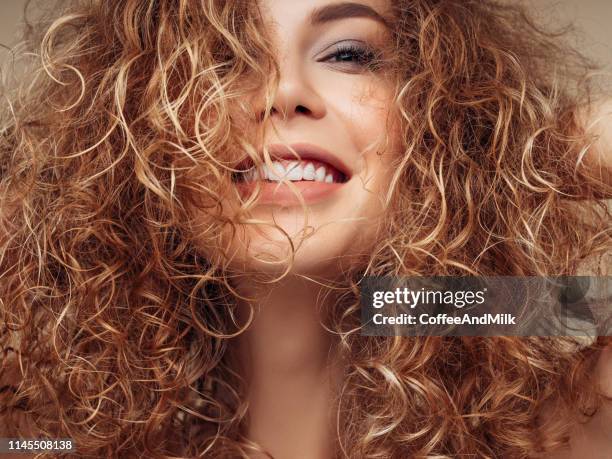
(278,193)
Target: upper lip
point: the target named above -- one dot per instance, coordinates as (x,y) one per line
(305,151)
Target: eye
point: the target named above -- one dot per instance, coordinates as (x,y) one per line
(352,54)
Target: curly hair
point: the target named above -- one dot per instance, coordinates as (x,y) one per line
(115,329)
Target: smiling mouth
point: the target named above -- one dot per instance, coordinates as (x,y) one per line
(314,180)
(292,171)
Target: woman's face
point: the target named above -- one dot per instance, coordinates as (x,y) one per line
(332,107)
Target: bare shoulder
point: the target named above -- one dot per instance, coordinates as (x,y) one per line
(605,371)
(597,120)
(593,439)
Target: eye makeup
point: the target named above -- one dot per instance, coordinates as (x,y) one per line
(352,53)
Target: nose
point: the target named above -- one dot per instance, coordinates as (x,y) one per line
(296,95)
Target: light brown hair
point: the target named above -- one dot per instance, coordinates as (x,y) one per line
(114,328)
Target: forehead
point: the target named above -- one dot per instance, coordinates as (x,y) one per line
(284,14)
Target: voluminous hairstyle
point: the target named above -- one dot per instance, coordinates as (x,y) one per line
(115,328)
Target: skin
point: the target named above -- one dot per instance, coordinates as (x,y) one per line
(286,354)
(340,107)
(597,120)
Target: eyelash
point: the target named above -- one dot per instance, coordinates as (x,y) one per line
(365,56)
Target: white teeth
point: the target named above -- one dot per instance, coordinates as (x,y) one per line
(276,173)
(294,171)
(320,174)
(264,172)
(309,172)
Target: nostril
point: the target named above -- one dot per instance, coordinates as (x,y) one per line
(275,111)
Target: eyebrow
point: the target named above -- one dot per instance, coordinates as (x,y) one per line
(344,10)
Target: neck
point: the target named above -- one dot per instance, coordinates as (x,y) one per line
(290,371)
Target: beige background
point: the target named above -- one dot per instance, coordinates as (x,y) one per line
(592,17)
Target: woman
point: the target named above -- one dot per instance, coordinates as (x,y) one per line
(192,191)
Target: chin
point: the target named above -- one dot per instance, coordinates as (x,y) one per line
(328,236)
(318,253)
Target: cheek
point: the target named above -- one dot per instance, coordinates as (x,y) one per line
(363,107)
(364,111)
(373,131)
(357,116)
